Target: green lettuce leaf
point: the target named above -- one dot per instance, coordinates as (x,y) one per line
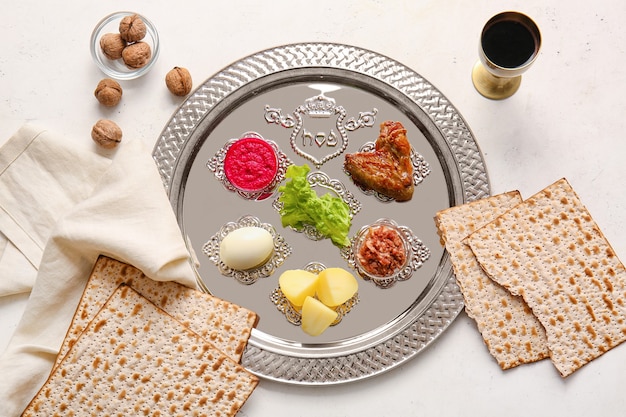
(329,214)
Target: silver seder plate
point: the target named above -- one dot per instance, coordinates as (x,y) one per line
(316,102)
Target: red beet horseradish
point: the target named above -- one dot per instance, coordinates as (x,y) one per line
(250,164)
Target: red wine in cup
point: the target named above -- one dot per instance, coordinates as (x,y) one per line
(508,43)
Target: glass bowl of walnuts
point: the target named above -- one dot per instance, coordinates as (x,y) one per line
(125,45)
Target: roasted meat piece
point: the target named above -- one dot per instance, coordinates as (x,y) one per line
(388,170)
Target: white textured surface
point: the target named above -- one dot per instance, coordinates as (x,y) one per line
(565,121)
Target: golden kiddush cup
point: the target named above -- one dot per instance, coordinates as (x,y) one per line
(509,44)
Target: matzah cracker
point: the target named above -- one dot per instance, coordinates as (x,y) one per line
(512,334)
(222,323)
(549,250)
(135,359)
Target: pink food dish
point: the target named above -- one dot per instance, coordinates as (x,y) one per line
(250,164)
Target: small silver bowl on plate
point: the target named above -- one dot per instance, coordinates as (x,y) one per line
(385,252)
(249,160)
(116,68)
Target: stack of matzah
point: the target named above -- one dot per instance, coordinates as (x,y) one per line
(141,347)
(511,332)
(548,253)
(222,323)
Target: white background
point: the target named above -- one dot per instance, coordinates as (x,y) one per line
(567,120)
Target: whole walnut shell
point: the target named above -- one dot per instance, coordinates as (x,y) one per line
(112,45)
(136,55)
(108,92)
(106,133)
(132,28)
(178,81)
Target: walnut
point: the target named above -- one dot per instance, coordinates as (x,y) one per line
(178,81)
(108,92)
(106,133)
(136,55)
(112,45)
(132,28)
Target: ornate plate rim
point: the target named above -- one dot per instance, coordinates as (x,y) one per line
(418,328)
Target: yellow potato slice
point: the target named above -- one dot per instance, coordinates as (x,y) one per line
(316,317)
(297,284)
(335,286)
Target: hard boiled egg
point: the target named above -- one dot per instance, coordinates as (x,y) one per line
(246,248)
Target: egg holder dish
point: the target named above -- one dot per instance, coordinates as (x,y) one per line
(216,165)
(294,314)
(281,251)
(416,253)
(421,169)
(115,68)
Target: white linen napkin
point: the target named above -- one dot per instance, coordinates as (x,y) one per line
(126,216)
(41,177)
